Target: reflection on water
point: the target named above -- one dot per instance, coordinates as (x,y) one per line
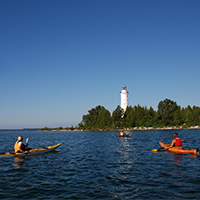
(177,159)
(18,161)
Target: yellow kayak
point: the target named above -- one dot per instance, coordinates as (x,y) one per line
(32,151)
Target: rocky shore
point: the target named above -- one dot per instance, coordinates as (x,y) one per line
(164,128)
(128,129)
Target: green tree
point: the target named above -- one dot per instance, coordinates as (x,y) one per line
(196,115)
(104,119)
(168,114)
(60,128)
(45,129)
(178,117)
(128,119)
(189,120)
(117,117)
(139,116)
(150,119)
(95,118)
(166,110)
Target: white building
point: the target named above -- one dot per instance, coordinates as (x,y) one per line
(124,98)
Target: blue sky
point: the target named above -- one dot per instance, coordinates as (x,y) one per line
(60,58)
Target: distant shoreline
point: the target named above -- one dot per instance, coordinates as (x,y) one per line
(165,128)
(125,129)
(129,129)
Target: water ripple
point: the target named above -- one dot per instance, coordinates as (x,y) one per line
(96,165)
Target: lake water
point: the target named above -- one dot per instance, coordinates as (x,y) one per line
(97,165)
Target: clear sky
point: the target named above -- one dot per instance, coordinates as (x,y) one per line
(61,58)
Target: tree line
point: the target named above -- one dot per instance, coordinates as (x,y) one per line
(168,114)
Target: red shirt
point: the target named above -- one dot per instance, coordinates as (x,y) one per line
(178,142)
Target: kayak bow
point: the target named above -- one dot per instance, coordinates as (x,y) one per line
(32,151)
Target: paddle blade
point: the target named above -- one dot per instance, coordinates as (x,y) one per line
(184,139)
(154,150)
(26,141)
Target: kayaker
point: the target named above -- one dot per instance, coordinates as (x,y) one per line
(176,142)
(122,133)
(19,146)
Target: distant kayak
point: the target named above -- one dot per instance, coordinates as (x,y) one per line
(122,136)
(32,151)
(180,150)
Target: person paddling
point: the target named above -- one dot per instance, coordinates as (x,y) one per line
(121,133)
(19,146)
(176,142)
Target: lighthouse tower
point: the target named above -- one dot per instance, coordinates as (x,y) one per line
(124,98)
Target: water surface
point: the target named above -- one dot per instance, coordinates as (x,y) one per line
(97,165)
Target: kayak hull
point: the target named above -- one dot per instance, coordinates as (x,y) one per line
(32,151)
(179,149)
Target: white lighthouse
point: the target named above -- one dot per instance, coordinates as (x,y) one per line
(124,98)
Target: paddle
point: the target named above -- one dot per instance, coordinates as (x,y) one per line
(184,139)
(126,134)
(162,147)
(26,142)
(157,149)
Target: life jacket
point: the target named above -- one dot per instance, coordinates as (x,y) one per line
(16,147)
(178,142)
